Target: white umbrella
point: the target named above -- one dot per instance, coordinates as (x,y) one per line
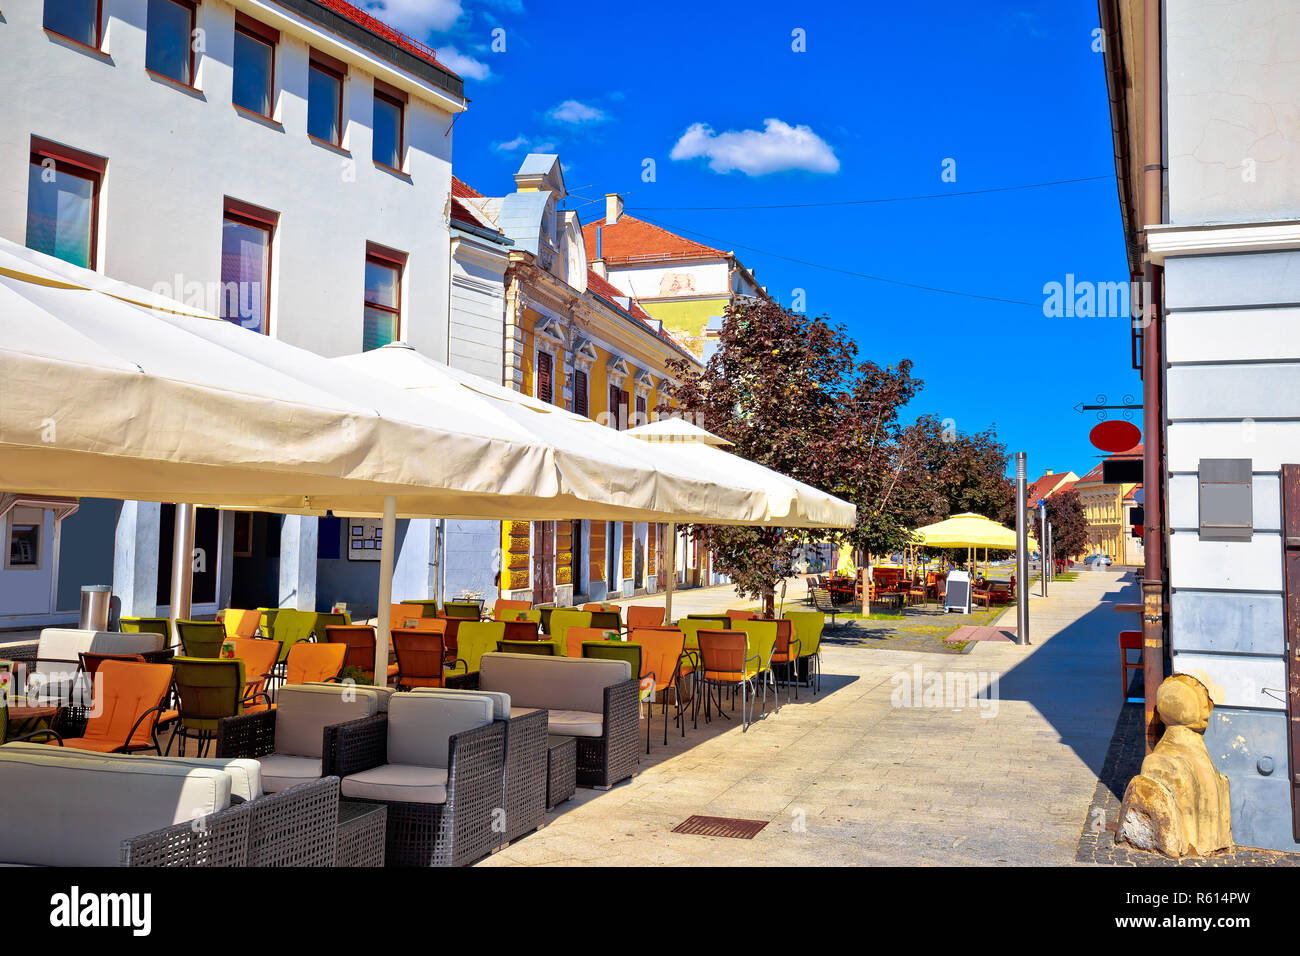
(790,503)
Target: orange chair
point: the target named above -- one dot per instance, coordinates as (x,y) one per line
(600,606)
(724,665)
(735,614)
(663,656)
(786,651)
(260,657)
(312,663)
(360,641)
(644,615)
(1129,641)
(575,636)
(399,614)
(240,623)
(502,605)
(420,658)
(129,706)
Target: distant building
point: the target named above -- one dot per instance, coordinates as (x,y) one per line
(1050,484)
(685,284)
(1103,506)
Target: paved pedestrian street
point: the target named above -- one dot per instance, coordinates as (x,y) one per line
(877,769)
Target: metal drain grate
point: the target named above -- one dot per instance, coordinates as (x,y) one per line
(720,827)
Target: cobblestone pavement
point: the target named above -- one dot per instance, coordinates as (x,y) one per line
(875,769)
(1123,762)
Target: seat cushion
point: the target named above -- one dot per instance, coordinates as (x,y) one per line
(245,774)
(397,782)
(421,723)
(501,708)
(575,723)
(556,683)
(282,771)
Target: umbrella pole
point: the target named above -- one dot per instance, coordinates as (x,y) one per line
(389,535)
(182,565)
(672,572)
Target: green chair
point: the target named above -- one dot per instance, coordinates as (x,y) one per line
(430,606)
(609,620)
(691,626)
(808,631)
(473,640)
(201,638)
(716,622)
(289,626)
(209,690)
(465,610)
(540,648)
(327,619)
(762,637)
(563,618)
(149,625)
(534,615)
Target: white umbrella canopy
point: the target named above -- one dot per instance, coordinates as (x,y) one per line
(609,465)
(790,503)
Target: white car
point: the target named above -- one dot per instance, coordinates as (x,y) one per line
(1097,561)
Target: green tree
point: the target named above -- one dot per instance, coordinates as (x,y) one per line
(1069,525)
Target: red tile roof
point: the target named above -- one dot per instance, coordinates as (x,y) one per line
(463,191)
(632,240)
(381,29)
(1045,486)
(607,290)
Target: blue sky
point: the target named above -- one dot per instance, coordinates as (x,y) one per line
(1012,93)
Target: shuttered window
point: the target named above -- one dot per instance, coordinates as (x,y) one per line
(640,411)
(580,403)
(614,406)
(545,379)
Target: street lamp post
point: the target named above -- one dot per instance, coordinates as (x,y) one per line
(1022,551)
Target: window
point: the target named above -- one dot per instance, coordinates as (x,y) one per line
(246,234)
(24,550)
(617,407)
(325,100)
(169,29)
(383,308)
(545,378)
(75,19)
(254,81)
(63,202)
(389,106)
(640,411)
(580,402)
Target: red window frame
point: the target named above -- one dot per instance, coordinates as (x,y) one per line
(99,27)
(394,97)
(193,6)
(236,210)
(263,34)
(384,256)
(83,165)
(337,69)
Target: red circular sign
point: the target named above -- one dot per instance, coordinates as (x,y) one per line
(1115,436)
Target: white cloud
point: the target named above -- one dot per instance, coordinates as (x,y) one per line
(416,17)
(575,113)
(523,142)
(778,147)
(462,63)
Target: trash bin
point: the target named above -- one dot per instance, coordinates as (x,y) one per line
(96,600)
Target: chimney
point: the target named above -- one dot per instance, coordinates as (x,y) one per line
(598,267)
(613,208)
(1050,472)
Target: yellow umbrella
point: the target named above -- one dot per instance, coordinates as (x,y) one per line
(968,530)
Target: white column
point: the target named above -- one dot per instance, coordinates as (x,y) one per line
(135,558)
(299,536)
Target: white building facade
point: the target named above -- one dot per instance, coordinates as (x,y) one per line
(284,164)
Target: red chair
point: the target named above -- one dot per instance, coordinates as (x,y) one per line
(644,615)
(738,615)
(360,639)
(1129,641)
(420,657)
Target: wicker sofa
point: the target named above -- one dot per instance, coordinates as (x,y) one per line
(53,665)
(435,761)
(72,808)
(593,701)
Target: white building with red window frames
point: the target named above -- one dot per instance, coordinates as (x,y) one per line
(283,163)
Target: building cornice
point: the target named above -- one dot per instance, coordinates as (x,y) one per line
(1177,241)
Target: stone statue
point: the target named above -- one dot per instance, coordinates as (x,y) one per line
(1179,803)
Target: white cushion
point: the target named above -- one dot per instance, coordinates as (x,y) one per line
(420,725)
(575,723)
(245,774)
(303,711)
(281,771)
(63,811)
(501,708)
(556,683)
(402,783)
